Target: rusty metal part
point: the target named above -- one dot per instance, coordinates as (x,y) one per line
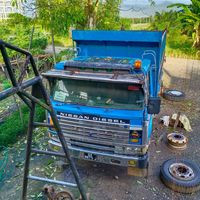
(64,195)
(177,141)
(51,194)
(181,171)
(177,120)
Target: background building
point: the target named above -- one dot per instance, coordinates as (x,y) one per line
(6,8)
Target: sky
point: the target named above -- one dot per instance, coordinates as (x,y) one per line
(147,10)
(157,1)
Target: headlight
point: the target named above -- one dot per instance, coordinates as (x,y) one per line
(132,150)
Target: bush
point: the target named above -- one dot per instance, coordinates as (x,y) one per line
(179,37)
(12,127)
(19,35)
(6,84)
(39,41)
(65,55)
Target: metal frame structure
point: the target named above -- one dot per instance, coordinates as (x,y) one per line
(38,90)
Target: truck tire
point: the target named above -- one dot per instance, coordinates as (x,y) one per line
(174,95)
(180,175)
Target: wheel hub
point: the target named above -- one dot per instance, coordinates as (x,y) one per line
(181,171)
(175,92)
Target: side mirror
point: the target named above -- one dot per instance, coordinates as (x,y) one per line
(154,105)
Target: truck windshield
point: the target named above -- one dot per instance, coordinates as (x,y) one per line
(98,94)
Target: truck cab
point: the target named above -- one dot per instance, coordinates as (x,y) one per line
(105,98)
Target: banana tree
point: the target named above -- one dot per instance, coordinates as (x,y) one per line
(190,16)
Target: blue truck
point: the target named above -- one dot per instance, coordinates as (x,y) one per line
(106,97)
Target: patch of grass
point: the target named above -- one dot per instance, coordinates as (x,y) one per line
(62,41)
(6,84)
(12,127)
(65,55)
(140,26)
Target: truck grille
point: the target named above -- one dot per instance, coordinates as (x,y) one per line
(96,135)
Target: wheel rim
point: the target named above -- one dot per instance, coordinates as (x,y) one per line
(177,139)
(175,92)
(178,136)
(64,195)
(181,171)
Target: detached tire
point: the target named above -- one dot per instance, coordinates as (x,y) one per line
(180,175)
(174,95)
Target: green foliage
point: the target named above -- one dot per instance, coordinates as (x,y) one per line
(180,45)
(108,17)
(16,18)
(2,78)
(179,40)
(17,30)
(107,20)
(190,18)
(59,15)
(165,20)
(65,55)
(12,127)
(125,23)
(6,84)
(142,20)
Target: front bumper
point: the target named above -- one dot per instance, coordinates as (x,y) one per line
(138,161)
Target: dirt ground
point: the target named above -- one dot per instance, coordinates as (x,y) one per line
(106,182)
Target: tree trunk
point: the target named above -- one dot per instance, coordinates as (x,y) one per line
(90,22)
(53,46)
(31,37)
(95,14)
(92,8)
(197,38)
(19,109)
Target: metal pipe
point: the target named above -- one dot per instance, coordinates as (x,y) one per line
(34,66)
(14,48)
(6,93)
(28,151)
(32,98)
(42,124)
(11,91)
(36,178)
(50,153)
(26,101)
(8,65)
(5,44)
